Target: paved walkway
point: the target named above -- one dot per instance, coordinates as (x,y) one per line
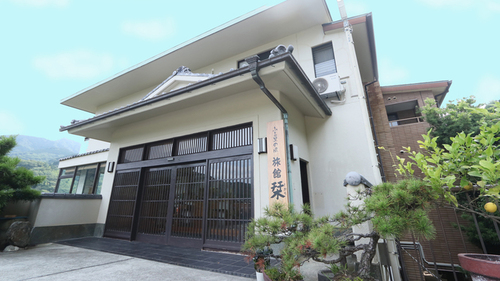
(63,262)
(226,263)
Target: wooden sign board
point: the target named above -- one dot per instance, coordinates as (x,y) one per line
(276,163)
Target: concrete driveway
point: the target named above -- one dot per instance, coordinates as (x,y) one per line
(60,262)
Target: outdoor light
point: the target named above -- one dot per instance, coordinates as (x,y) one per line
(262,145)
(111,167)
(294,152)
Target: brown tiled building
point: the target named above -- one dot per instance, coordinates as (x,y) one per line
(398,123)
(396,119)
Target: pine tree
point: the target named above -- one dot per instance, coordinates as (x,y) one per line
(15,182)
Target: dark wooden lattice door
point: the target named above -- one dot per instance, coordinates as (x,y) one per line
(152,219)
(122,204)
(188,205)
(229,202)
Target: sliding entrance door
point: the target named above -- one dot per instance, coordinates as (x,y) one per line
(154,205)
(229,202)
(188,206)
(193,191)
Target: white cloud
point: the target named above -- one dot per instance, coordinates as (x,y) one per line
(41,3)
(488,89)
(77,64)
(149,29)
(391,73)
(484,8)
(10,124)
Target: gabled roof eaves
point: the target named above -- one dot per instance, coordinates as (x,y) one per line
(212,80)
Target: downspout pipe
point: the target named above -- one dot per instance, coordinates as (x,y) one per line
(372,124)
(253,65)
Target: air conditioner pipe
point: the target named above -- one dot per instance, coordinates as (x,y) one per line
(254,70)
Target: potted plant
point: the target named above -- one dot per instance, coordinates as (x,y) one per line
(261,259)
(392,208)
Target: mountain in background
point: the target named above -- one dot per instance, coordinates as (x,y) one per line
(42,157)
(40,149)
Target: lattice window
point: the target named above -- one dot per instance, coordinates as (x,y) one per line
(160,150)
(131,154)
(233,137)
(194,144)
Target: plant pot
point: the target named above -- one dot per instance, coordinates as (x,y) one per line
(260,276)
(481,266)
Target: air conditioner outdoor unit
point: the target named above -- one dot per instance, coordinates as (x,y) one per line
(329,86)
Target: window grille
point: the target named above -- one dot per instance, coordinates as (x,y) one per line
(232,138)
(131,155)
(194,144)
(160,150)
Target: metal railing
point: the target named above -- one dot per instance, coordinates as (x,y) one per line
(405,121)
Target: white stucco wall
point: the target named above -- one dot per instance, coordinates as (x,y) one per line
(298,137)
(95,145)
(53,212)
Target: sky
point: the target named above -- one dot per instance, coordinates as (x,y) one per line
(51,49)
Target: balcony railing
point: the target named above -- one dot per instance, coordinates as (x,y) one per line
(406,121)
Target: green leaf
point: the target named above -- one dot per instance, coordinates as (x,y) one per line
(488,165)
(463,182)
(481,184)
(494,191)
(489,151)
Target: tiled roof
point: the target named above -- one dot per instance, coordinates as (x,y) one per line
(84,154)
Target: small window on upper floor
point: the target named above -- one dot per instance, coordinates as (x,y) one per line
(324,60)
(262,56)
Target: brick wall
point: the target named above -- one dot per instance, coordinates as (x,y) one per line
(407,136)
(382,129)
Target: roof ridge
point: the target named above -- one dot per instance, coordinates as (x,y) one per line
(84,154)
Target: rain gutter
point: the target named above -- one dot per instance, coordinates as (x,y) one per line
(372,125)
(253,65)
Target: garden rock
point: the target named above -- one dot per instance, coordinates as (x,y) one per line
(19,233)
(11,248)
